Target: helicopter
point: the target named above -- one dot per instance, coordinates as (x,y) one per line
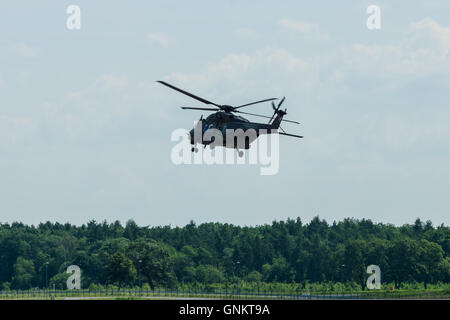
(225,118)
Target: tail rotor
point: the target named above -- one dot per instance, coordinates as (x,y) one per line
(277,109)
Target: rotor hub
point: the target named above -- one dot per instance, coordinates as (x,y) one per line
(227,108)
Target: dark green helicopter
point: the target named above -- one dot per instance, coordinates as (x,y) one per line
(225,119)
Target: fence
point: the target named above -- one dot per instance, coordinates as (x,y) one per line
(212,294)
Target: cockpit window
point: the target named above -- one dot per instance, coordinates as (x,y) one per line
(211,118)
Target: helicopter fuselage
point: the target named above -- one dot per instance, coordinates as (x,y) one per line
(226,122)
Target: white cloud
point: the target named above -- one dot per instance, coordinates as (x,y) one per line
(110,81)
(160,39)
(299,26)
(247,33)
(423,52)
(439,36)
(21,50)
(305,29)
(108,102)
(16,129)
(265,70)
(103,82)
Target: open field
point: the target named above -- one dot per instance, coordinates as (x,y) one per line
(178,294)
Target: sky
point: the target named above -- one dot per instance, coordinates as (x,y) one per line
(85,130)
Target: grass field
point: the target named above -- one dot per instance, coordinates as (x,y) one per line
(178,294)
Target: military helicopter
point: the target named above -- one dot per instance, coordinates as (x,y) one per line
(225,118)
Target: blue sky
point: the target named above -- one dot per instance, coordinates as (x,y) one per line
(85,130)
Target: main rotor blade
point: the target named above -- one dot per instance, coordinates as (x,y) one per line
(259,115)
(252,114)
(291,135)
(188,94)
(290,121)
(207,109)
(248,104)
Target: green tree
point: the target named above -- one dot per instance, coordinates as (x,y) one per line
(281,271)
(132,230)
(355,266)
(23,274)
(208,274)
(254,276)
(430,262)
(121,270)
(59,280)
(283,251)
(156,264)
(402,261)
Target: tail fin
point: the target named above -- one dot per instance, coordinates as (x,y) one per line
(280,113)
(277,121)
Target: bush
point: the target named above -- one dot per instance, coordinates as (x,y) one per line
(6,286)
(146,286)
(59,280)
(96,287)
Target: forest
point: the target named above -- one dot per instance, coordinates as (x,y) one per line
(112,254)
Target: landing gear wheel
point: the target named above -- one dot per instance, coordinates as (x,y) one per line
(241,154)
(194,149)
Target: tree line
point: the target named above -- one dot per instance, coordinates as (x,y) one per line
(282,252)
